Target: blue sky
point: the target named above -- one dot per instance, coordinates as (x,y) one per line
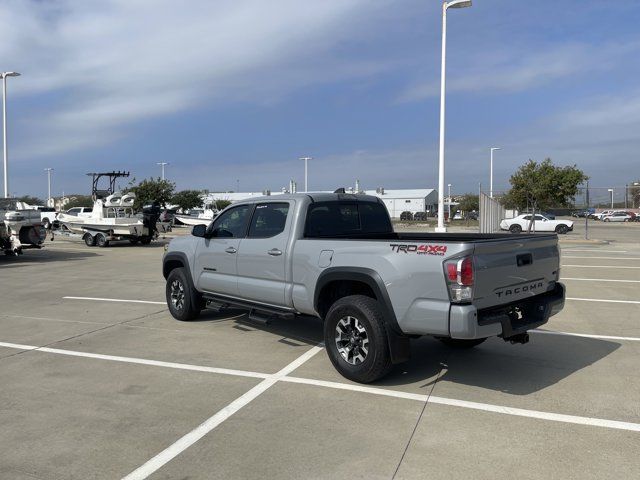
(238,90)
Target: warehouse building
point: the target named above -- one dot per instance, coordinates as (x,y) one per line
(396,201)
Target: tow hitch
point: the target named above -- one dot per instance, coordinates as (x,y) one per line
(521,338)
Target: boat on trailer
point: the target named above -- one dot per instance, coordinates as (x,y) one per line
(113,219)
(20,227)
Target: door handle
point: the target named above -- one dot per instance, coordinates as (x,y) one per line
(275,252)
(231,250)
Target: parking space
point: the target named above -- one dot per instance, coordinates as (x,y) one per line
(99,381)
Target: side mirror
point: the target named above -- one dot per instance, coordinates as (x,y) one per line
(199,231)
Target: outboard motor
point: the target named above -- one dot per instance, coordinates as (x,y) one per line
(150,216)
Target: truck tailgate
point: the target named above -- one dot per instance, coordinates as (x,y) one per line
(509,270)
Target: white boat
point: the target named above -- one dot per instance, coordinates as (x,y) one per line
(114,218)
(205,217)
(20,227)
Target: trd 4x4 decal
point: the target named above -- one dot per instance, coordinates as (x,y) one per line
(439,250)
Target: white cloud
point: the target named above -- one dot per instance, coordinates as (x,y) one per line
(119,61)
(514,70)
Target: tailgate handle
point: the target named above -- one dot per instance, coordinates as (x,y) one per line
(524,259)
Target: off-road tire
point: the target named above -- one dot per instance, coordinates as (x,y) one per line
(185,310)
(101,240)
(461,343)
(369,314)
(89,240)
(134,241)
(515,228)
(562,229)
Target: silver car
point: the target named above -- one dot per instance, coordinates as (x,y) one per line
(617,217)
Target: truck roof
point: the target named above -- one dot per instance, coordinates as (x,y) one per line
(315,197)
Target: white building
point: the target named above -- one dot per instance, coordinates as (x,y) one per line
(408,200)
(396,201)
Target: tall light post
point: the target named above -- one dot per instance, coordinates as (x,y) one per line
(445,7)
(48,170)
(491,171)
(449,202)
(162,164)
(4,128)
(306,172)
(610,190)
(635,194)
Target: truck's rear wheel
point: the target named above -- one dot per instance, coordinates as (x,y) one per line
(179,298)
(515,228)
(461,342)
(356,339)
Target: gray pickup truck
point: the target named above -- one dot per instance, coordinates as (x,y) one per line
(337,257)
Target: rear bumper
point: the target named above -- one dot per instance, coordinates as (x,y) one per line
(466,322)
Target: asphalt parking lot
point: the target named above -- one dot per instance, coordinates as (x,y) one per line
(99,381)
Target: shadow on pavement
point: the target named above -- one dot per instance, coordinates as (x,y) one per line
(497,365)
(31,257)
(301,331)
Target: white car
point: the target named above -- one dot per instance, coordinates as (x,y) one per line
(601,215)
(541,224)
(617,217)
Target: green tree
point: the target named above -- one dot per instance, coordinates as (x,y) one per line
(30,200)
(221,204)
(78,201)
(151,190)
(468,202)
(187,199)
(540,186)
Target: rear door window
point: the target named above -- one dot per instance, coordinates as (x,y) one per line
(327,219)
(268,220)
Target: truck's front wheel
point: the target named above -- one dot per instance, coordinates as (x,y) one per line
(179,298)
(356,339)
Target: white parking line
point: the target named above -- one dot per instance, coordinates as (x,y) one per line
(586,335)
(282,375)
(139,361)
(594,250)
(602,300)
(520,412)
(212,422)
(599,280)
(122,300)
(601,266)
(602,258)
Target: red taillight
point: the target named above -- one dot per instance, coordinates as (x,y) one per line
(459,272)
(466,271)
(452,272)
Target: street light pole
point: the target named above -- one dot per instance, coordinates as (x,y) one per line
(491,172)
(449,202)
(611,192)
(162,164)
(445,5)
(4,128)
(306,172)
(48,170)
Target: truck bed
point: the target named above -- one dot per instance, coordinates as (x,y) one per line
(439,237)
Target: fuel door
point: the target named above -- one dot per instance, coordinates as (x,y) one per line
(324,260)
